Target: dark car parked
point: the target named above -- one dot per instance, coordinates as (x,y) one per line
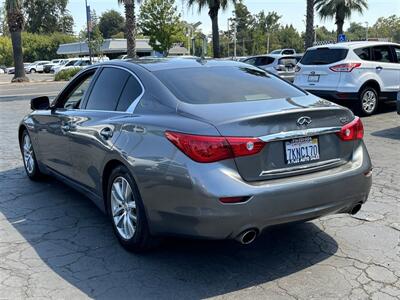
(207,149)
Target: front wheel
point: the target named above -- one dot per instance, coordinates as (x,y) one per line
(127,211)
(29,158)
(368,101)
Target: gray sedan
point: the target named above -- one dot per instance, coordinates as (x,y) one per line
(205,149)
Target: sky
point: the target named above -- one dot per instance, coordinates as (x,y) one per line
(292,12)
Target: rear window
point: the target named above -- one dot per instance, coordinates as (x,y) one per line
(288,61)
(323,56)
(210,85)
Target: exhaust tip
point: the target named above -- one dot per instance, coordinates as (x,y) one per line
(356,208)
(247,237)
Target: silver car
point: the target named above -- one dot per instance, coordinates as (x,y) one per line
(196,148)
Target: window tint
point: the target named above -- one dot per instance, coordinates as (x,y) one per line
(265,60)
(78,93)
(107,89)
(382,54)
(288,52)
(251,61)
(211,85)
(323,56)
(131,91)
(363,53)
(397,52)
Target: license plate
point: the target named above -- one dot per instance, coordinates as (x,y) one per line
(301,150)
(313,78)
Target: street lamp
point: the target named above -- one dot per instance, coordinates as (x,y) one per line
(315,33)
(366,31)
(190,30)
(234,35)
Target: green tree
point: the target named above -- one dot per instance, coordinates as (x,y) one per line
(130,26)
(48,16)
(339,10)
(387,28)
(15,21)
(356,32)
(244,21)
(96,38)
(324,34)
(309,36)
(213,9)
(159,21)
(111,23)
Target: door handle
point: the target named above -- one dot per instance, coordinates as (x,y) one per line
(379,68)
(106,133)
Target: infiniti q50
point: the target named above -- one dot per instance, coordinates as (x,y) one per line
(196,148)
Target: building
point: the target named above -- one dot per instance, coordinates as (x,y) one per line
(114,48)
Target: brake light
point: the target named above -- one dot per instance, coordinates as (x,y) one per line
(206,149)
(345,67)
(352,131)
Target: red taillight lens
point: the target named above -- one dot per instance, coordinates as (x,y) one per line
(345,67)
(352,131)
(206,149)
(234,199)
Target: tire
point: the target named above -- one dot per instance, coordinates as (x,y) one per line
(29,157)
(368,101)
(32,71)
(127,213)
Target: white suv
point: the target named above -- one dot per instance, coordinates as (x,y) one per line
(363,72)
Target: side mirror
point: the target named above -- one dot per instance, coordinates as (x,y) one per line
(40,103)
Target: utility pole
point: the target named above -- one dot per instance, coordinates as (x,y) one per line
(234,39)
(228,36)
(89,25)
(366,31)
(267,43)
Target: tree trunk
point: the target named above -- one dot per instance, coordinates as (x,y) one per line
(130,28)
(339,30)
(213,13)
(19,75)
(309,24)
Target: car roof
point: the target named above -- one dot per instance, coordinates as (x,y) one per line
(158,64)
(352,45)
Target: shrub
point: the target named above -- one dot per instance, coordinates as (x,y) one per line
(66,74)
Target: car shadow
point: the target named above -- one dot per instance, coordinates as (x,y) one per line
(390,133)
(75,240)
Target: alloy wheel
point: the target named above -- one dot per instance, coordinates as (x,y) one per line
(123,208)
(28,154)
(369,101)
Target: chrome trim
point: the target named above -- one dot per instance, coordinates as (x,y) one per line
(295,169)
(286,135)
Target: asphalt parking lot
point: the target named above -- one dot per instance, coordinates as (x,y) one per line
(54,243)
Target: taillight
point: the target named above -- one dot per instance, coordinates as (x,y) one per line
(206,149)
(345,67)
(352,131)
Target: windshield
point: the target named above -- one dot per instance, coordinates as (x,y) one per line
(210,85)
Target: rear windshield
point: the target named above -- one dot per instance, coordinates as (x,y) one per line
(210,85)
(323,56)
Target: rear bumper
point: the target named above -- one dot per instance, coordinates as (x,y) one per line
(189,206)
(334,95)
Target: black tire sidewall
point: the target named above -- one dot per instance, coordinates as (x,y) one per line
(139,241)
(360,104)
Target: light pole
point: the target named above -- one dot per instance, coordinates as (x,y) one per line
(315,33)
(234,38)
(88,23)
(228,36)
(366,31)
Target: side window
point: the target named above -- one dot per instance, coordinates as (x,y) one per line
(266,61)
(251,61)
(107,89)
(363,53)
(131,91)
(397,52)
(76,96)
(382,54)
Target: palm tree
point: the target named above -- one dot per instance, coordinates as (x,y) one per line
(213,9)
(130,26)
(15,22)
(339,10)
(309,24)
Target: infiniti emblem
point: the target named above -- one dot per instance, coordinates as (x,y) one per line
(303,121)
